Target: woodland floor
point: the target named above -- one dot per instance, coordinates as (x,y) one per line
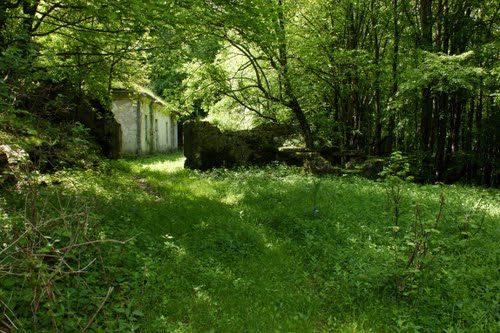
(272,249)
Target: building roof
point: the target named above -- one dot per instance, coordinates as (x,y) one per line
(141,91)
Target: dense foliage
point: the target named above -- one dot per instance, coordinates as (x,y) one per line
(376,76)
(147,246)
(416,76)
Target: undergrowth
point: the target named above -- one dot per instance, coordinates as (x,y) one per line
(51,146)
(145,245)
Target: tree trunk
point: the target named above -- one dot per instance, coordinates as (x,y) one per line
(291,99)
(467,140)
(427,102)
(426,135)
(441,112)
(303,123)
(391,129)
(378,106)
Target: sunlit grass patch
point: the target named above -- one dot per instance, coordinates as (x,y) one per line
(164,163)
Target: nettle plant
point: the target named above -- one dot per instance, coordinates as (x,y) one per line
(411,239)
(396,174)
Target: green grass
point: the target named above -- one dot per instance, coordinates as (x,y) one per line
(272,249)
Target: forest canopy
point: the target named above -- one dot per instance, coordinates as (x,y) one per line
(421,77)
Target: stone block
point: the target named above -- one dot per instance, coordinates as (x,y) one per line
(206,146)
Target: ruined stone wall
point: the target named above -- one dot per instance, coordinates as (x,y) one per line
(103,127)
(206,146)
(12,163)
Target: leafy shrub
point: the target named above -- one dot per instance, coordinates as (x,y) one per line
(56,266)
(51,146)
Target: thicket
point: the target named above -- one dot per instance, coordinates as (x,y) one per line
(57,267)
(60,269)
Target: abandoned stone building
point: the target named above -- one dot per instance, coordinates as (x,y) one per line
(146,124)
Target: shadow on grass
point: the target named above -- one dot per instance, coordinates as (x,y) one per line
(266,249)
(210,266)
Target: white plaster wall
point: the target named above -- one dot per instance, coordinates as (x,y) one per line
(162,138)
(162,144)
(124,112)
(145,124)
(165,138)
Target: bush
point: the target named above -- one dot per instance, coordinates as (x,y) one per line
(57,268)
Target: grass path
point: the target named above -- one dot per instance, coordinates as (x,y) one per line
(215,268)
(273,250)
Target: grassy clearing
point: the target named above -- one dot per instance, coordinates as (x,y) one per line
(274,250)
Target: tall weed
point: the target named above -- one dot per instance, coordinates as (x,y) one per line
(55,262)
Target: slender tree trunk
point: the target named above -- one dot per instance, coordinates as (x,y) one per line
(441,107)
(467,140)
(479,136)
(427,102)
(426,23)
(458,107)
(467,130)
(378,107)
(339,122)
(303,123)
(488,153)
(291,99)
(455,110)
(391,129)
